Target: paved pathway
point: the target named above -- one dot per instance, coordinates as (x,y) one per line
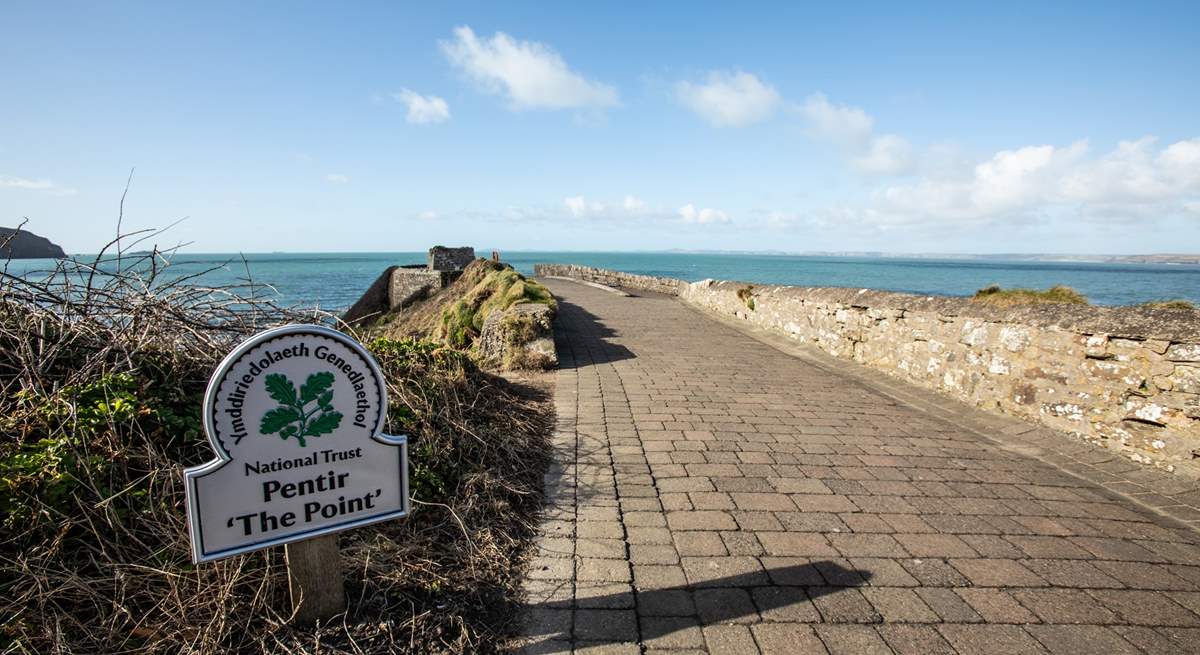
(712,494)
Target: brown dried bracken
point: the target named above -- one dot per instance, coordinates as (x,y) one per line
(102,366)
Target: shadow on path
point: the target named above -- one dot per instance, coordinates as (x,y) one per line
(783,593)
(581,338)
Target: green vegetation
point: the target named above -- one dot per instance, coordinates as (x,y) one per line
(100,399)
(746,295)
(292,418)
(499,289)
(1168,304)
(995,295)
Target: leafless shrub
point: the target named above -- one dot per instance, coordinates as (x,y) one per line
(102,367)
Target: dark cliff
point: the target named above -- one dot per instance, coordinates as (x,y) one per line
(19,244)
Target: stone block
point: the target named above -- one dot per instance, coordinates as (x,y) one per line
(520,337)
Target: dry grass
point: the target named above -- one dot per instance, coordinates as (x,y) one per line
(1169,304)
(994,295)
(456,314)
(102,368)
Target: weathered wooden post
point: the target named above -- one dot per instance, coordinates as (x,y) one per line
(295,416)
(315,582)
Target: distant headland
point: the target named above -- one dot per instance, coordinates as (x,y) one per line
(19,244)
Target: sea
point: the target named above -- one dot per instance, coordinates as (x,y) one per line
(333,281)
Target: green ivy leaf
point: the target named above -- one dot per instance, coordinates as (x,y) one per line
(281,389)
(316,384)
(323,424)
(278,419)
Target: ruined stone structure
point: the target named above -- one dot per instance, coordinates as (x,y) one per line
(442,258)
(1125,377)
(400,286)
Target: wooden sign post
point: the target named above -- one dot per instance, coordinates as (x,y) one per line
(295,416)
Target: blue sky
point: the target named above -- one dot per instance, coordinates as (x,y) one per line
(1028,127)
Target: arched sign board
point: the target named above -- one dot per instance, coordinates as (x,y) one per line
(295,416)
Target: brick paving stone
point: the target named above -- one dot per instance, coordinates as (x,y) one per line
(948,605)
(1149,640)
(898,605)
(710,494)
(729,640)
(600,548)
(649,536)
(595,625)
(1064,606)
(700,520)
(996,573)
(723,571)
(726,606)
(934,572)
(796,544)
(784,604)
(996,606)
(882,572)
(866,545)
(792,571)
(787,639)
(842,605)
(665,602)
(1139,575)
(673,632)
(915,640)
(852,640)
(543,622)
(602,570)
(742,543)
(1145,607)
(699,544)
(648,576)
(1081,640)
(991,639)
(935,545)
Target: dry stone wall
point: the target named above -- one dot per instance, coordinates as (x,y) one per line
(1125,377)
(612,278)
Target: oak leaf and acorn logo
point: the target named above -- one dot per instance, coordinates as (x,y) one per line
(294,417)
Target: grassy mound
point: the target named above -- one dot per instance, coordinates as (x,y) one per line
(456,314)
(496,292)
(101,380)
(995,295)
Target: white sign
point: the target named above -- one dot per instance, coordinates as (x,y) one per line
(295,416)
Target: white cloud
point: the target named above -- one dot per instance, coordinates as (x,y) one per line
(9,182)
(690,214)
(729,99)
(887,154)
(532,75)
(576,205)
(423,109)
(634,209)
(427,216)
(852,129)
(1137,182)
(842,124)
(337,178)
